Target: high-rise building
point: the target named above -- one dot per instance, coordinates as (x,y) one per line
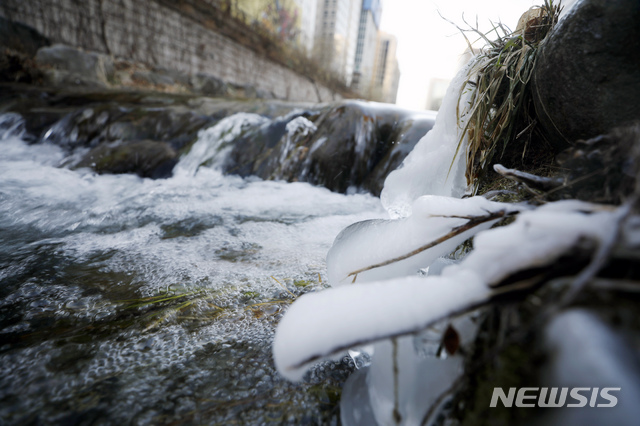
(336,35)
(366,46)
(308,11)
(386,75)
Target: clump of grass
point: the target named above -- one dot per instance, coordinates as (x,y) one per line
(181,303)
(500,108)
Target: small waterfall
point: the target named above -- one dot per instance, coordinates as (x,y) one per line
(11,125)
(215,143)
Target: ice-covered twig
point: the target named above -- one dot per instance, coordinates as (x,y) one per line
(531,181)
(323,323)
(383,249)
(473,221)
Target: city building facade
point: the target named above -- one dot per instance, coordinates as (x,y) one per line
(308,12)
(336,35)
(386,74)
(342,36)
(366,46)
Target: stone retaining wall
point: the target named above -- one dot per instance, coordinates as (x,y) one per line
(155,34)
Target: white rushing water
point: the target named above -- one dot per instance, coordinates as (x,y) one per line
(75,245)
(276,228)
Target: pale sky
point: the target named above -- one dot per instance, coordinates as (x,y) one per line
(428,46)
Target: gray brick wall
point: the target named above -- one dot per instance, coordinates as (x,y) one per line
(148,32)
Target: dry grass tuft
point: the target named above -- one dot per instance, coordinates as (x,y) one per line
(499,109)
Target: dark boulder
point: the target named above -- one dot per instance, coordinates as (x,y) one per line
(154,78)
(17,67)
(209,85)
(18,45)
(145,158)
(94,124)
(587,76)
(349,146)
(71,66)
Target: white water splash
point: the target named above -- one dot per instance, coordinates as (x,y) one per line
(216,142)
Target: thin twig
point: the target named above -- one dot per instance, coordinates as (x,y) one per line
(472,223)
(283,286)
(602,255)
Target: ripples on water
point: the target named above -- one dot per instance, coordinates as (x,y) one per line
(152,301)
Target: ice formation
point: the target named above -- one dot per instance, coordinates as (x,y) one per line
(296,128)
(437,163)
(366,244)
(320,324)
(380,299)
(579,340)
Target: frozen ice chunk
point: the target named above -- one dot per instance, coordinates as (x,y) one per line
(375,242)
(586,352)
(536,239)
(320,324)
(323,323)
(300,125)
(296,128)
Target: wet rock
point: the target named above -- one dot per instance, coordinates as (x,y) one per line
(150,77)
(209,85)
(91,125)
(175,125)
(145,158)
(69,65)
(349,146)
(80,128)
(587,76)
(256,151)
(177,76)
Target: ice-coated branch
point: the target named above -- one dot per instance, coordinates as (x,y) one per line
(473,221)
(324,323)
(320,324)
(384,249)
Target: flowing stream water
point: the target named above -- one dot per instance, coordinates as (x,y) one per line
(126,299)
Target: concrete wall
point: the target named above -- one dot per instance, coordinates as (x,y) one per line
(149,32)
